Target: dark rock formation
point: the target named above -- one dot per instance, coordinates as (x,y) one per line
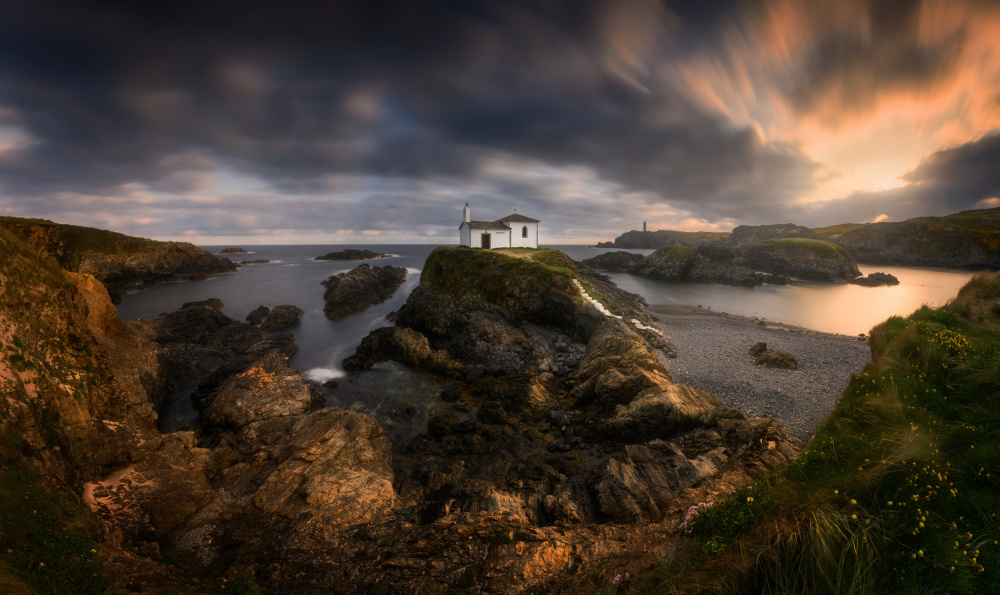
(258,314)
(615,262)
(233,250)
(352,254)
(773,359)
(116,260)
(875,280)
(281,316)
(360,288)
(255,261)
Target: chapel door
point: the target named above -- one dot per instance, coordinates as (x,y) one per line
(486,240)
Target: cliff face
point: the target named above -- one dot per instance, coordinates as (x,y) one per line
(113,258)
(970,239)
(81,391)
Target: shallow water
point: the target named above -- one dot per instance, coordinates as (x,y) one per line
(293,277)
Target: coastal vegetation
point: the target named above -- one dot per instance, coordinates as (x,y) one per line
(897,491)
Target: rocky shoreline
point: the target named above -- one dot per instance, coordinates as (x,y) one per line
(712,355)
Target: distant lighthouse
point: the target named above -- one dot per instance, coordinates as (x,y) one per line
(643,226)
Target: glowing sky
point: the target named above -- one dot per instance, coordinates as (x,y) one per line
(370,121)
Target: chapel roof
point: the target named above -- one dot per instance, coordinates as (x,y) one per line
(486,225)
(519,219)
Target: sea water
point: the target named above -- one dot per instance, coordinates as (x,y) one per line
(294,276)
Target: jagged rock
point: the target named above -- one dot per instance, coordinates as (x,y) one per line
(258,314)
(352,254)
(758,348)
(360,288)
(267,389)
(281,316)
(402,345)
(233,250)
(875,280)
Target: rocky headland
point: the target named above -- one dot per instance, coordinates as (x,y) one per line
(654,239)
(768,261)
(114,259)
(964,240)
(560,442)
(359,288)
(352,254)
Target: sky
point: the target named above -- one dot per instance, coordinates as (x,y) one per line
(260,122)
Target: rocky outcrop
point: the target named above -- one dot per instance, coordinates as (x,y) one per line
(615,262)
(669,262)
(360,288)
(750,234)
(281,317)
(352,254)
(233,250)
(258,314)
(967,240)
(875,280)
(763,356)
(254,261)
(115,259)
(517,466)
(769,261)
(608,439)
(665,237)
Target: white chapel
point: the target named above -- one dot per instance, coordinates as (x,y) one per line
(513,231)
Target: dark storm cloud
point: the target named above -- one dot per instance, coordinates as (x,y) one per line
(167,95)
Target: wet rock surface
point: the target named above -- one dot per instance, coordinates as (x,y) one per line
(360,288)
(352,254)
(875,280)
(281,316)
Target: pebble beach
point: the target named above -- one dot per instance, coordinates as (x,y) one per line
(713,355)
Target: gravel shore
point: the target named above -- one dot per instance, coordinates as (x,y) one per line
(713,355)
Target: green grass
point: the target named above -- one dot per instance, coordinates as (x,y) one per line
(818,247)
(489,273)
(39,543)
(899,489)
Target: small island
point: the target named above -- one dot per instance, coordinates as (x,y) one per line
(352,254)
(233,250)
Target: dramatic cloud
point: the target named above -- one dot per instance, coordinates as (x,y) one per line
(337,121)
